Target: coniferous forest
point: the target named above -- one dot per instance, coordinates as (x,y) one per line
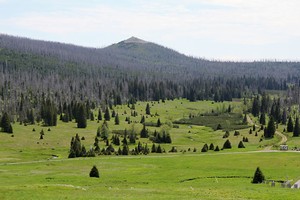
(40,80)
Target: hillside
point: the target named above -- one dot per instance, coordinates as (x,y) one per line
(33,71)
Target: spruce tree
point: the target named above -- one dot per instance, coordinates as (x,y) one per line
(81,117)
(144,132)
(262,119)
(227,144)
(241,145)
(258,176)
(158,124)
(211,146)
(148,109)
(94,172)
(255,107)
(271,129)
(106,114)
(296,131)
(99,115)
(5,124)
(117,120)
(290,125)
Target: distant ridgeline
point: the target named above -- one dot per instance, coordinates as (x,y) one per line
(33,72)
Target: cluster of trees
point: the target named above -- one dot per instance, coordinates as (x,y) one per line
(78,150)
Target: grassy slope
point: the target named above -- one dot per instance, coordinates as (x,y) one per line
(141,177)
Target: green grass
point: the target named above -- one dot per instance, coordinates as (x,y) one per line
(152,177)
(30,170)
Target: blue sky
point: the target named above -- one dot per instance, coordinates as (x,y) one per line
(213,29)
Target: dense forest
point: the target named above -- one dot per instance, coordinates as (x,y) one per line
(40,79)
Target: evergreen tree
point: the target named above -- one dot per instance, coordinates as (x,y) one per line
(106,114)
(217,148)
(144,132)
(262,119)
(125,150)
(270,131)
(290,125)
(258,176)
(255,107)
(148,109)
(99,115)
(117,120)
(204,148)
(153,148)
(241,145)
(158,124)
(227,144)
(296,131)
(5,124)
(211,146)
(142,119)
(94,172)
(81,117)
(104,131)
(159,149)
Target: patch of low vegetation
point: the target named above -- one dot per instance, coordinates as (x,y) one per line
(224,121)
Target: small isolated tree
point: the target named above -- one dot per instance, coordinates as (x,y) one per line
(211,146)
(290,125)
(158,124)
(81,118)
(227,145)
(217,148)
(5,124)
(241,145)
(204,148)
(117,120)
(99,115)
(106,114)
(148,109)
(258,176)
(94,172)
(296,131)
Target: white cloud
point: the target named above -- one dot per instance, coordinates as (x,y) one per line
(226,22)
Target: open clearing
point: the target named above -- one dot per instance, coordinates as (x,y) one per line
(31,168)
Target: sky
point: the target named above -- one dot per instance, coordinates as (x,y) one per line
(241,30)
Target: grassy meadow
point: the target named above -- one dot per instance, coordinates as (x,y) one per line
(31,168)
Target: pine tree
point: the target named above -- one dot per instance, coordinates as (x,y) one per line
(117,120)
(296,131)
(99,115)
(217,148)
(211,146)
(104,131)
(262,119)
(271,129)
(241,145)
(106,114)
(142,119)
(255,107)
(227,145)
(94,172)
(158,124)
(204,148)
(81,117)
(148,109)
(144,132)
(290,125)
(5,124)
(258,176)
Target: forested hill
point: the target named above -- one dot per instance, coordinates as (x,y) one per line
(34,71)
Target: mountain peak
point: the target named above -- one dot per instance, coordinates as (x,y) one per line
(134,40)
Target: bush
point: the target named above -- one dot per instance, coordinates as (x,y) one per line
(94,172)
